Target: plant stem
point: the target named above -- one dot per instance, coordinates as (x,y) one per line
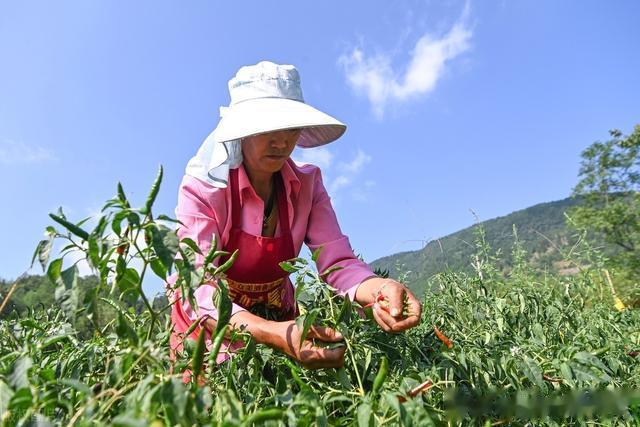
(355,366)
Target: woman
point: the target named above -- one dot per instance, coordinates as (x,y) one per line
(243,188)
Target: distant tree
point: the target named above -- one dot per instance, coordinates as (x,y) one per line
(34,293)
(610,184)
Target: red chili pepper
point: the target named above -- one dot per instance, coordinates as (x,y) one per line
(551,379)
(634,353)
(425,386)
(379,298)
(442,337)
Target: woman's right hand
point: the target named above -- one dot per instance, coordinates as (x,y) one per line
(288,338)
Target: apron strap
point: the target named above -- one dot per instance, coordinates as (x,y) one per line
(235,198)
(283,213)
(283,209)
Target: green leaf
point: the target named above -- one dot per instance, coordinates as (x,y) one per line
(94,251)
(169,219)
(589,359)
(316,254)
(364,414)
(288,267)
(121,196)
(116,223)
(158,268)
(582,373)
(21,400)
(54,340)
(345,310)
(99,229)
(19,377)
(129,285)
(567,373)
(76,385)
(191,244)
(39,420)
(43,249)
(126,420)
(5,397)
(164,242)
(124,330)
(53,272)
(532,371)
(331,270)
(70,226)
(309,318)
(66,293)
(343,378)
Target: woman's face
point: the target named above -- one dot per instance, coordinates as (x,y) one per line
(267,152)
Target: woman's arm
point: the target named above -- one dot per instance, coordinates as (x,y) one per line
(286,337)
(355,278)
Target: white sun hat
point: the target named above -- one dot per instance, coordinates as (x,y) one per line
(265,97)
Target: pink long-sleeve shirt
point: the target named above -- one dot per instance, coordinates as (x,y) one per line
(205,210)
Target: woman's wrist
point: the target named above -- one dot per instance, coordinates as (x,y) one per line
(367,290)
(264,331)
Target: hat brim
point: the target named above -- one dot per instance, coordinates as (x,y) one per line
(262,115)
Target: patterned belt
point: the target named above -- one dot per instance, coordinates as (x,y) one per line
(249,294)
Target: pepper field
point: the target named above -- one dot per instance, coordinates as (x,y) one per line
(493,348)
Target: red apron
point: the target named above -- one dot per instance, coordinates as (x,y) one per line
(256,280)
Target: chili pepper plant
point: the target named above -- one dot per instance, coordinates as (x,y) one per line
(492,348)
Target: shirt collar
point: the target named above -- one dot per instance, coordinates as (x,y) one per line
(289,176)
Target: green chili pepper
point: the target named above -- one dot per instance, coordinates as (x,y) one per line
(153,193)
(294,373)
(600,351)
(198,354)
(54,340)
(227,265)
(217,342)
(193,327)
(263,415)
(381,376)
(212,251)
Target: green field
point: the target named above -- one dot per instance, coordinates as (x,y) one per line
(496,346)
(511,348)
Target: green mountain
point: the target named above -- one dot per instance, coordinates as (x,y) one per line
(541,229)
(37,292)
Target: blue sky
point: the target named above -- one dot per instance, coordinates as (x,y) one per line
(450,105)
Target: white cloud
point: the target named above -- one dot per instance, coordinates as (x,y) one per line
(347,171)
(376,78)
(337,175)
(357,163)
(319,156)
(13,152)
(339,182)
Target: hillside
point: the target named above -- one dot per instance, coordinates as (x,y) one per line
(541,230)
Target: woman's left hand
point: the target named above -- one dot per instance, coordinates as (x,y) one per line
(395,308)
